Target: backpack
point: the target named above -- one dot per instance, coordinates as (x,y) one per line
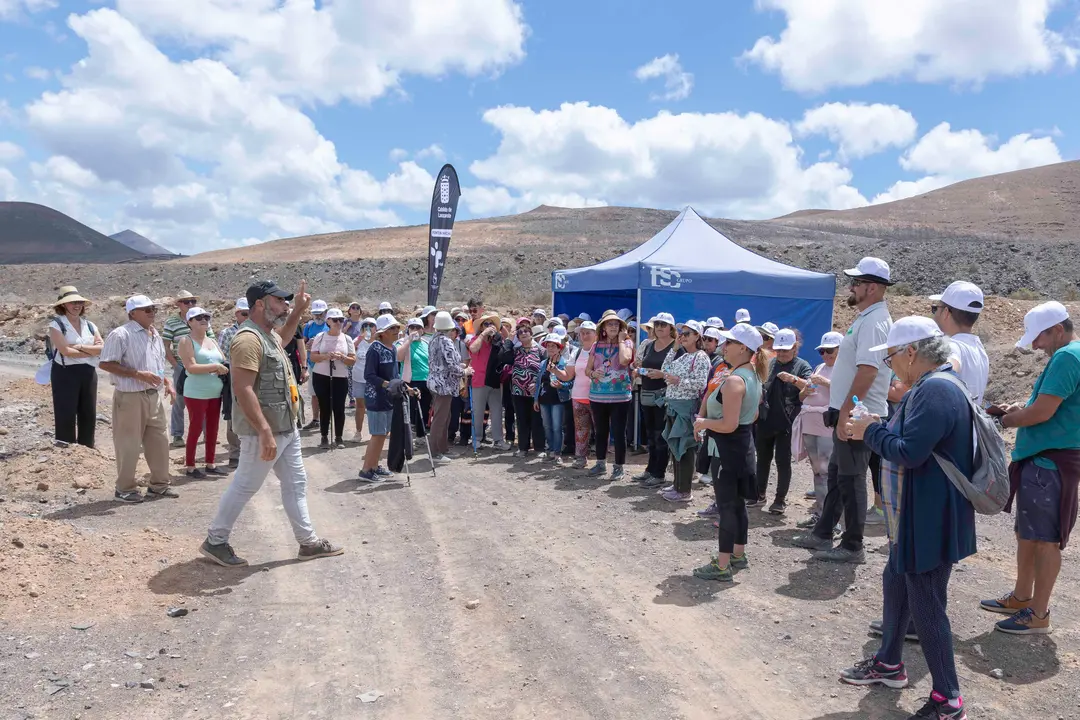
(50,351)
(988,487)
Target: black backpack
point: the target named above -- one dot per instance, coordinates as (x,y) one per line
(50,351)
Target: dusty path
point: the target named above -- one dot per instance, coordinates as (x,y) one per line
(587,610)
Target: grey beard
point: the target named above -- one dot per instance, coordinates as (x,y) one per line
(275,321)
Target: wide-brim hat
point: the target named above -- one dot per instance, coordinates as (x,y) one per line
(69,293)
(185,295)
(610,315)
(385,322)
(488,317)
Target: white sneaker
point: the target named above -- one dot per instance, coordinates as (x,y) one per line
(501,446)
(543,456)
(441,459)
(704,479)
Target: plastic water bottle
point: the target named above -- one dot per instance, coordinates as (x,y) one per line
(860,410)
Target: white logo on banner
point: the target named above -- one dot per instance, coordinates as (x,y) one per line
(437,254)
(560,281)
(444,189)
(667,278)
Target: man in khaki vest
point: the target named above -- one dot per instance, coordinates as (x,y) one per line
(265,406)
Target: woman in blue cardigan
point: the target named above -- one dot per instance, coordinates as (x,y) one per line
(931,525)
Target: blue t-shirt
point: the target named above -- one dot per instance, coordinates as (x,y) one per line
(381,364)
(1060,378)
(311,329)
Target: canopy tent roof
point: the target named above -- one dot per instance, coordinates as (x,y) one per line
(689,255)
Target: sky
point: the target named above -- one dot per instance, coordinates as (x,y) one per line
(212,123)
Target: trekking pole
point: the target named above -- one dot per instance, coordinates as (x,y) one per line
(427,440)
(333,420)
(472,425)
(407,448)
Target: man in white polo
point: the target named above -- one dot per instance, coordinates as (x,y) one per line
(956,311)
(858,372)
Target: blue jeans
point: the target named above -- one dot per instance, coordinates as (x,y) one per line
(553,426)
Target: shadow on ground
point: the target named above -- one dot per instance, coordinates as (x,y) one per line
(201,578)
(688,591)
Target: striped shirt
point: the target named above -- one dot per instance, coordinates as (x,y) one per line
(227,336)
(135,348)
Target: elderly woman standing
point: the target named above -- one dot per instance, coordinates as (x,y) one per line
(809,436)
(651,358)
(76,346)
(204,364)
(551,393)
(730,413)
(444,378)
(685,371)
(931,525)
(579,392)
(524,361)
(609,393)
(361,343)
(334,355)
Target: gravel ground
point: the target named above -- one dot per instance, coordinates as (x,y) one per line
(587,608)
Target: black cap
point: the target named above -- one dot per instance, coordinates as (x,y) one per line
(266,287)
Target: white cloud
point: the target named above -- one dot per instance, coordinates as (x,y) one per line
(433,151)
(488,200)
(948,156)
(10,9)
(736,165)
(37,73)
(677,82)
(837,43)
(858,129)
(65,171)
(9,151)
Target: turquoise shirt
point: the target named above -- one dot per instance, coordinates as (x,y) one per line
(714,405)
(1060,378)
(204,386)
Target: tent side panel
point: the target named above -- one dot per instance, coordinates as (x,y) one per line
(594,303)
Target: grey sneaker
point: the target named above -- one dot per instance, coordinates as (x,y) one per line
(617,472)
(841,555)
(598,469)
(642,476)
(501,446)
(177,442)
(221,554)
(809,523)
(580,463)
(875,516)
(654,482)
(322,548)
(704,479)
(131,498)
(810,541)
(165,492)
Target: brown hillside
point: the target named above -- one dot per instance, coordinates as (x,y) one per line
(31,233)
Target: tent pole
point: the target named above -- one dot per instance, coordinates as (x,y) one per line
(637,345)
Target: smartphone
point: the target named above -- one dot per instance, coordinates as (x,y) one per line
(995,411)
(643,371)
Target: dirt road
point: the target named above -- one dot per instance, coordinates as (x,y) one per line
(587,608)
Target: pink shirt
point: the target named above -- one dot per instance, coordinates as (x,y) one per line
(815,405)
(582,382)
(480,363)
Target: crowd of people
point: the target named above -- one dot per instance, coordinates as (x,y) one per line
(727,405)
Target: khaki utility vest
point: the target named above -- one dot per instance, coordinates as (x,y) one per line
(275,387)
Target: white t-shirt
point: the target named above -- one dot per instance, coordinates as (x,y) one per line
(84,337)
(324,342)
(974,364)
(870,329)
(361,361)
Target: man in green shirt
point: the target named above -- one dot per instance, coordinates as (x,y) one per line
(175,328)
(1045,471)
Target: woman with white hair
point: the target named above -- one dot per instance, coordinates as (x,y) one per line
(75,347)
(444,378)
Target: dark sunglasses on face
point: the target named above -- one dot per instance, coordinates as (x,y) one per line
(337,320)
(826,351)
(202,318)
(687,333)
(934,309)
(149,310)
(186,302)
(244,313)
(487,325)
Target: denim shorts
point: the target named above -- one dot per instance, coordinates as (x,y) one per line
(379,421)
(1038,504)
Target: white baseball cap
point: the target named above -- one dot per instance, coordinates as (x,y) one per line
(552,338)
(714,322)
(553,322)
(742,315)
(318,307)
(962,295)
(1040,318)
(196,312)
(632,324)
(784,340)
(368,321)
(539,311)
(664,318)
(587,325)
(830,340)
(428,310)
(241,304)
(334,313)
(414,322)
(625,314)
(690,325)
(714,333)
(769,329)
(138,301)
(871,268)
(905,331)
(559,330)
(385,306)
(584,316)
(385,322)
(744,333)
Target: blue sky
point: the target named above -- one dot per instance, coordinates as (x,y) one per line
(220,122)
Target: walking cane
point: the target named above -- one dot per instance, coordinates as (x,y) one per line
(427,439)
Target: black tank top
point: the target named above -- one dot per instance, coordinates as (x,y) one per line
(654,360)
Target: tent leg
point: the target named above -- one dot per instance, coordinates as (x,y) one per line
(637,410)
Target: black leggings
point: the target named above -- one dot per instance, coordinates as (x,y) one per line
(609,419)
(332,394)
(654,434)
(74,393)
(733,482)
(767,446)
(530,425)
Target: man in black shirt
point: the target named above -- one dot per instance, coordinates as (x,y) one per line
(296,351)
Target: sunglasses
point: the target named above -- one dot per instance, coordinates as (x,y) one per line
(826,351)
(149,310)
(337,320)
(202,318)
(474,311)
(354,307)
(524,331)
(185,302)
(687,333)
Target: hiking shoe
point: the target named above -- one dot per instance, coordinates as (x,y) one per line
(598,469)
(221,554)
(580,463)
(642,476)
(322,548)
(501,446)
(215,472)
(617,472)
(339,444)
(196,474)
(739,562)
(841,555)
(1008,604)
(678,497)
(369,476)
(324,444)
(712,571)
(876,629)
(654,482)
(875,516)
(704,479)
(809,523)
(810,541)
(133,497)
(871,672)
(1026,622)
(709,512)
(778,508)
(937,710)
(519,453)
(165,492)
(383,472)
(177,442)
(754,503)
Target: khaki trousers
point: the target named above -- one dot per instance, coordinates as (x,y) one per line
(140,425)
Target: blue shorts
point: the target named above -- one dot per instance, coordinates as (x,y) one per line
(379,421)
(1038,504)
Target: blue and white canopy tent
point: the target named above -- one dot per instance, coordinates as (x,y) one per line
(691,270)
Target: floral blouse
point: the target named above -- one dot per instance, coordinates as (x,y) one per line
(614,386)
(444,366)
(525,371)
(692,369)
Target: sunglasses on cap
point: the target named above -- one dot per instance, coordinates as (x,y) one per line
(826,351)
